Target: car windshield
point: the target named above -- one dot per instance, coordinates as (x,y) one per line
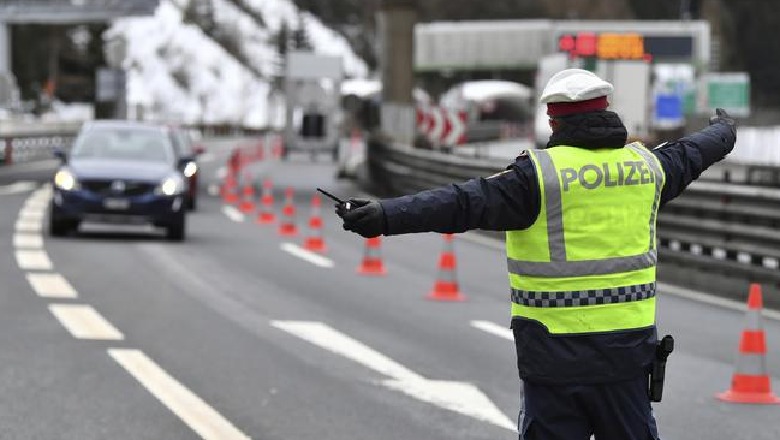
(132,144)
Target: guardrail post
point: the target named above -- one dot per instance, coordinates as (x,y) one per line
(9,144)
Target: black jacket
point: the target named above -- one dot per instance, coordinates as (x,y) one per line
(511,200)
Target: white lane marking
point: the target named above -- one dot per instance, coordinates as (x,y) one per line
(28,241)
(35,204)
(191,409)
(33,260)
(213,189)
(221,173)
(669,289)
(17,187)
(461,397)
(51,285)
(311,257)
(494,329)
(31,215)
(233,213)
(28,226)
(84,322)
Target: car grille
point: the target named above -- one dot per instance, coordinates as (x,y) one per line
(108,187)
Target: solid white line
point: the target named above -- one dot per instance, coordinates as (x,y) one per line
(84,322)
(693,295)
(17,187)
(33,260)
(28,226)
(28,241)
(51,285)
(494,329)
(311,257)
(190,408)
(233,213)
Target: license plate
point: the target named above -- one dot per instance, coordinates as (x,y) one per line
(116,203)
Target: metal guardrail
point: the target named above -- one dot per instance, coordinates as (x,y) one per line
(716,236)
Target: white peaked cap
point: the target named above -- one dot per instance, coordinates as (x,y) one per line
(574,85)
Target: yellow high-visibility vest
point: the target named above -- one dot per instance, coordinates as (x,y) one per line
(587,264)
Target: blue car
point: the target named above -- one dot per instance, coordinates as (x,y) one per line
(120,172)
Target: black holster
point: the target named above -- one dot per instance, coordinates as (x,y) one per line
(658,371)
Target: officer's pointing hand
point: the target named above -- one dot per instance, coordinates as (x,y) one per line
(364,217)
(722,117)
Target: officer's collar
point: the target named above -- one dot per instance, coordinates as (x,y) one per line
(592,130)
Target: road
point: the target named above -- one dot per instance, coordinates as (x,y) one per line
(236,333)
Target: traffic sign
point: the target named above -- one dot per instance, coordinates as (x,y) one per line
(442,126)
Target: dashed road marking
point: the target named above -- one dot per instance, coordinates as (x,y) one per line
(311,257)
(31,214)
(33,260)
(28,225)
(84,322)
(191,409)
(28,241)
(233,213)
(493,328)
(51,285)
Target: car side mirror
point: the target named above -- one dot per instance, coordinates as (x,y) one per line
(60,154)
(182,162)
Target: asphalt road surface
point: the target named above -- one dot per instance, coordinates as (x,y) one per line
(116,333)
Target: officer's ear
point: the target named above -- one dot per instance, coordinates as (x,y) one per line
(553,124)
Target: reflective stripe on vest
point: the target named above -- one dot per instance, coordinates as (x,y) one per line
(561,289)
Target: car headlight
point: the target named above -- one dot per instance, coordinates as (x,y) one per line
(65,180)
(170,186)
(190,169)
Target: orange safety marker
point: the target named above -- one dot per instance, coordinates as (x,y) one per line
(247,204)
(750,382)
(229,189)
(314,242)
(287,226)
(446,286)
(266,215)
(372,263)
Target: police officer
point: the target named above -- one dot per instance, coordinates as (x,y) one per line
(580,222)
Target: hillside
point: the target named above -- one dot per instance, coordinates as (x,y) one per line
(182,69)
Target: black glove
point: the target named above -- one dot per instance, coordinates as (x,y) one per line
(364,217)
(721,117)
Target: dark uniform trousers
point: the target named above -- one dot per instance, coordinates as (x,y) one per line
(608,411)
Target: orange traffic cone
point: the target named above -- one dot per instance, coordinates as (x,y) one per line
(247,204)
(372,263)
(229,189)
(446,287)
(314,242)
(287,226)
(266,215)
(750,382)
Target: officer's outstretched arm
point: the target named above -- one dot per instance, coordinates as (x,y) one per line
(685,159)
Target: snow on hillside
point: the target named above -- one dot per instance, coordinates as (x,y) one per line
(323,39)
(176,72)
